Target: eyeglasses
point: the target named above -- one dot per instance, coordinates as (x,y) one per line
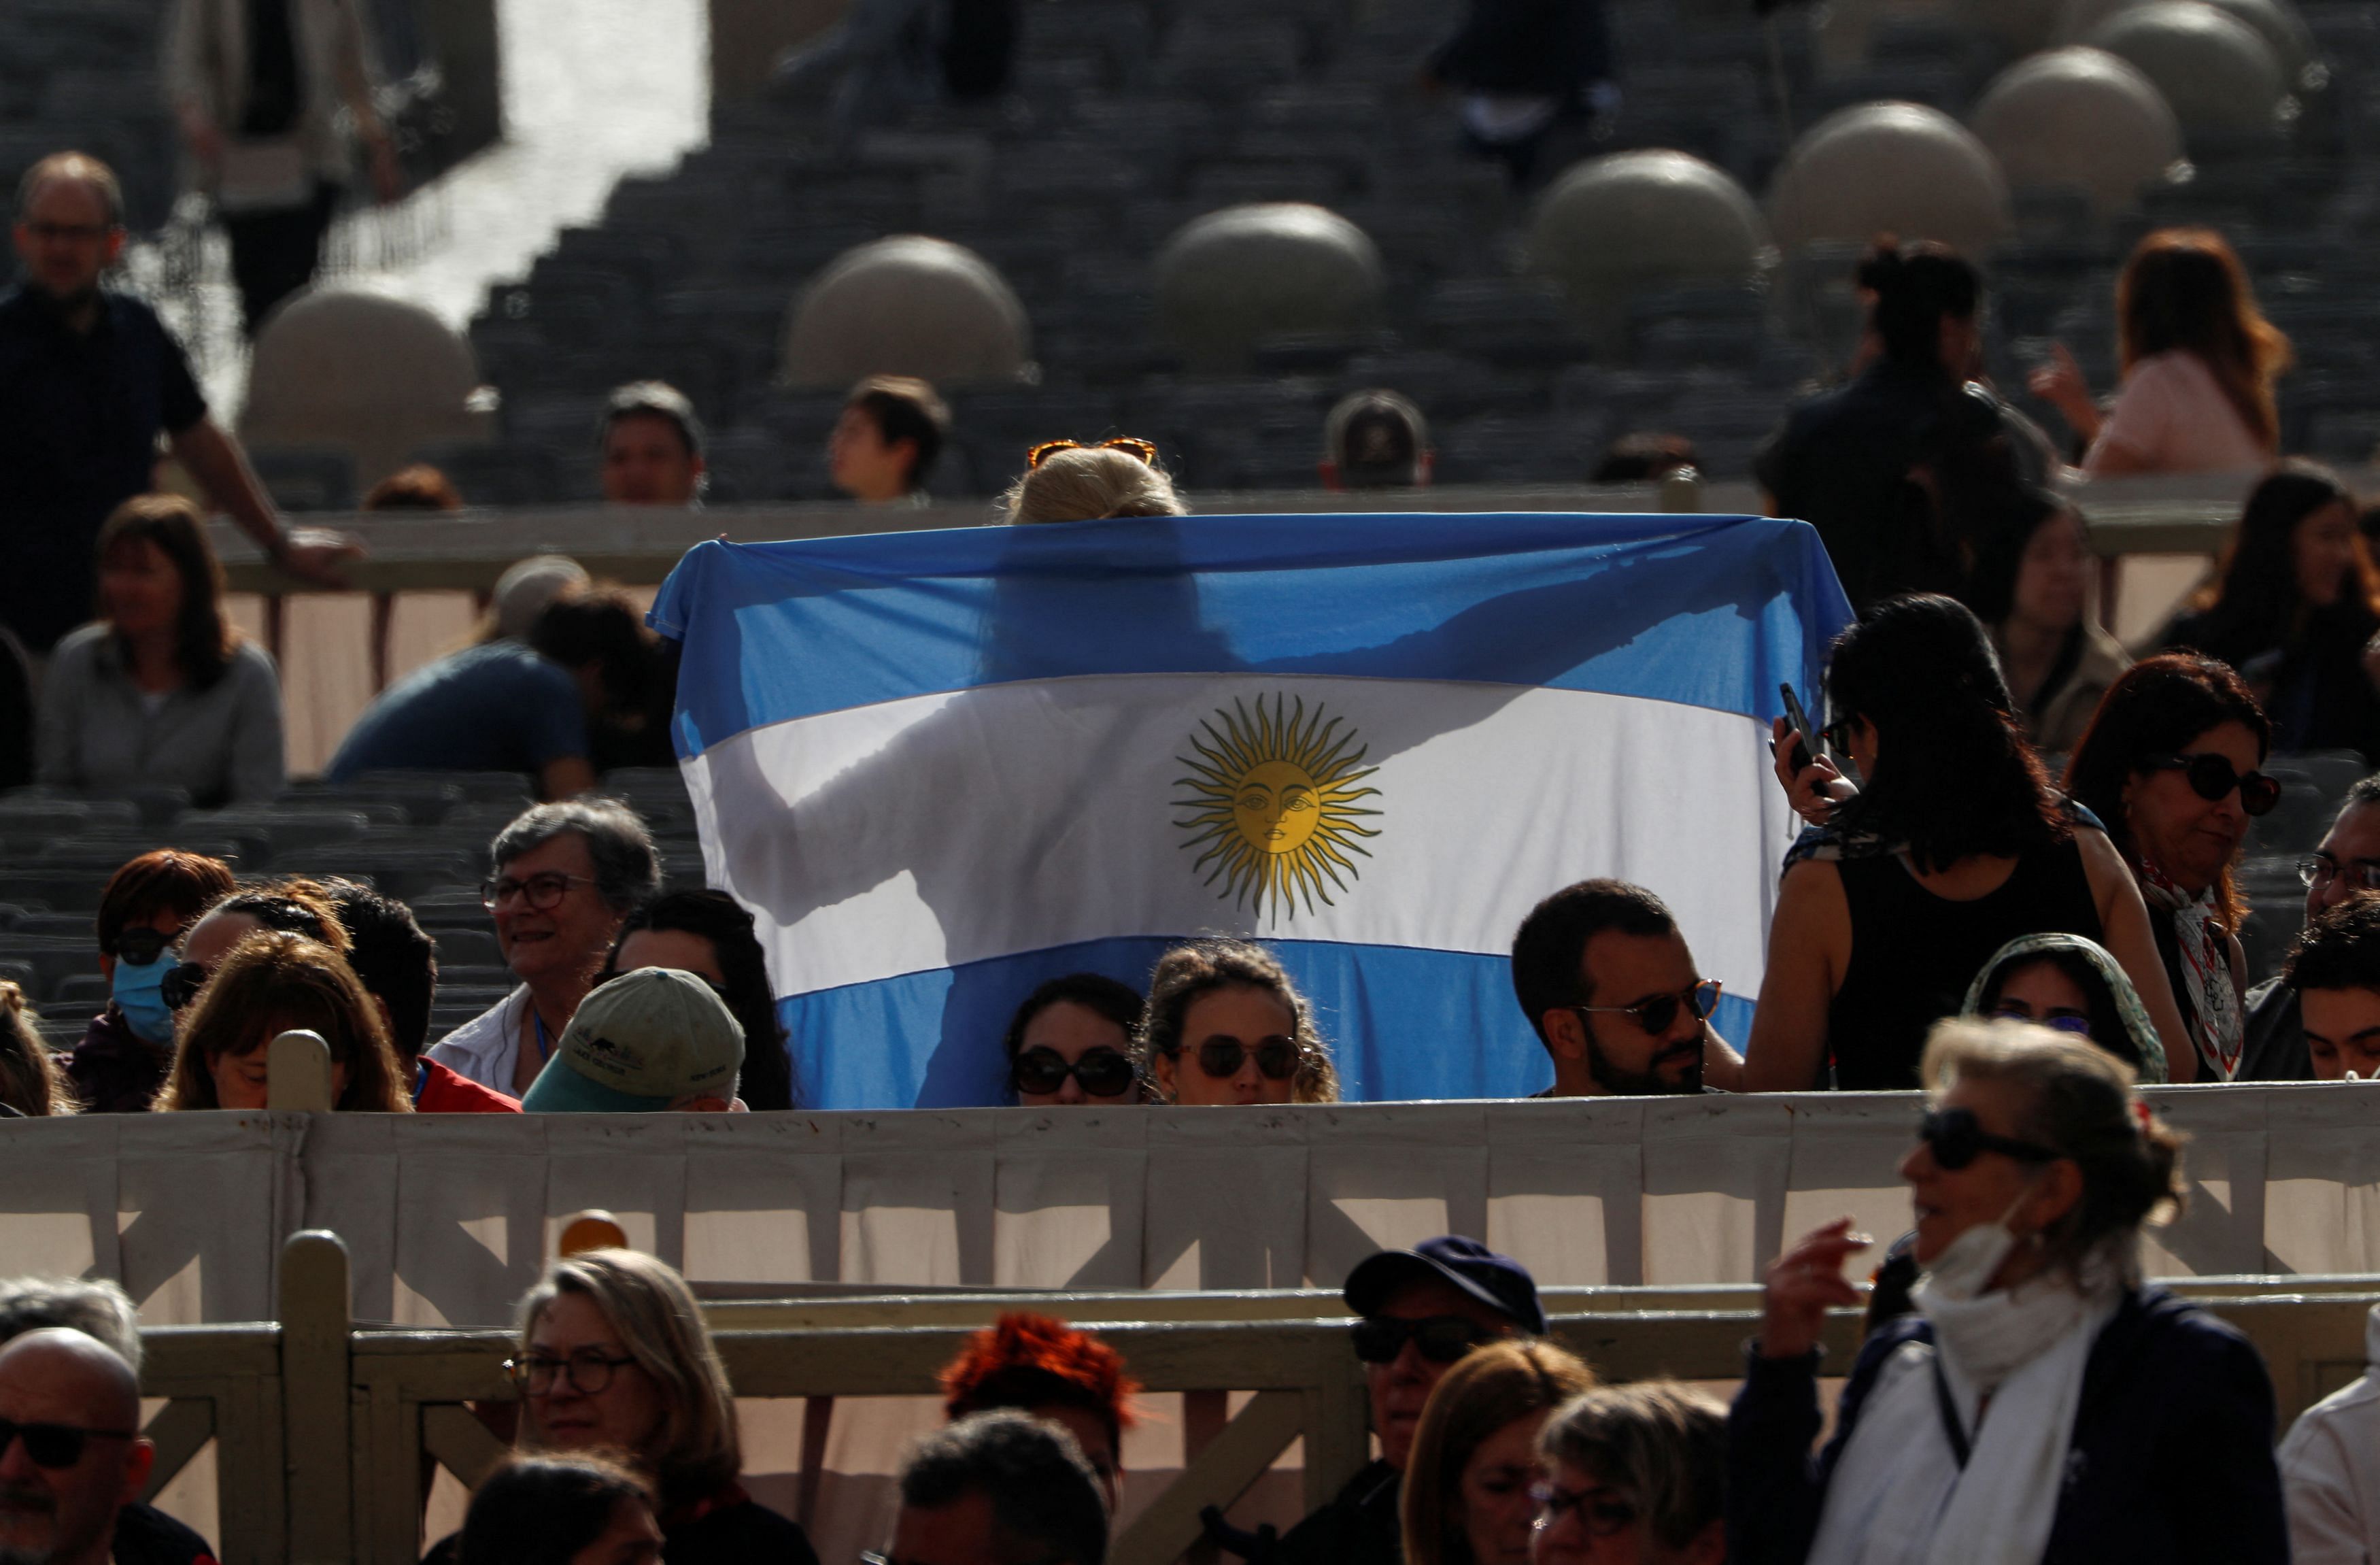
(1276,1057)
(140,945)
(1600,1513)
(57,1445)
(2064,1024)
(542,893)
(589,1372)
(2211,777)
(2322,869)
(1442,1339)
(1144,449)
(1102,1072)
(1655,1016)
(1958,1140)
(181,984)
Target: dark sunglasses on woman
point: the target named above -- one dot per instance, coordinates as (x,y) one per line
(1655,1014)
(2211,776)
(1103,1071)
(1958,1139)
(1442,1339)
(140,945)
(1276,1057)
(180,984)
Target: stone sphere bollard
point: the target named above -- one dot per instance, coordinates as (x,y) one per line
(2215,72)
(2079,117)
(376,377)
(1230,279)
(1625,224)
(1893,169)
(907,305)
(2276,21)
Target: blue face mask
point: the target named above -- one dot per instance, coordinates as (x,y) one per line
(136,991)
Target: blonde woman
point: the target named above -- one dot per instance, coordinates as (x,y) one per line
(1225,1027)
(1466,1498)
(274,982)
(1064,481)
(613,1356)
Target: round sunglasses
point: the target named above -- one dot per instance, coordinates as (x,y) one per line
(2211,777)
(1103,1071)
(1221,1056)
(1957,1139)
(1441,1339)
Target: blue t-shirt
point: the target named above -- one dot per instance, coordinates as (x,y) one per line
(495,708)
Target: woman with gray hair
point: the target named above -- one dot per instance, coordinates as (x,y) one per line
(613,1356)
(1633,1472)
(2042,1403)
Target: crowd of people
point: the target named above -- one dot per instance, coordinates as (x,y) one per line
(2027,1397)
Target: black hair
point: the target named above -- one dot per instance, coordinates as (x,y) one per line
(1915,286)
(906,408)
(2258,605)
(1044,1501)
(1119,1002)
(768,1080)
(544,1509)
(2339,948)
(601,628)
(1550,948)
(1954,776)
(396,959)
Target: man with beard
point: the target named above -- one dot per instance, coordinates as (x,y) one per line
(1606,979)
(72,1461)
(88,378)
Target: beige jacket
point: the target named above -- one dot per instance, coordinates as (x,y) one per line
(206,77)
(2065,712)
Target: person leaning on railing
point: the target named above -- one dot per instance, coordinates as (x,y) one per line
(613,1356)
(1465,1500)
(2042,1402)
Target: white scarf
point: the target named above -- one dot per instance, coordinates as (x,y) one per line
(2217,1026)
(1898,1495)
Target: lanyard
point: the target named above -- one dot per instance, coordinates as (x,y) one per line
(421,1078)
(544,1041)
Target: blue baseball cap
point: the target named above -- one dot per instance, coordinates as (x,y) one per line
(1500,1283)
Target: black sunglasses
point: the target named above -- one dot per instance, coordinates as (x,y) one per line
(2210,776)
(1103,1071)
(140,945)
(1442,1339)
(1276,1057)
(57,1445)
(181,984)
(1655,1014)
(1958,1140)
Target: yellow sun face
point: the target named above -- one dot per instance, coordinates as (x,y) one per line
(1272,802)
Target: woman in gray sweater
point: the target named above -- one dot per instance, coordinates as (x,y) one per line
(161,688)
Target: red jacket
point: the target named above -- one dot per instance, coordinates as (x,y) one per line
(438,1091)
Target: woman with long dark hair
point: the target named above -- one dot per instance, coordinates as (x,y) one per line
(162,689)
(2198,358)
(2297,605)
(2170,766)
(2032,589)
(708,934)
(1954,844)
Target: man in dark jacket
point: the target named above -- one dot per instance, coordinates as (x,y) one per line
(2347,865)
(1422,1310)
(1527,68)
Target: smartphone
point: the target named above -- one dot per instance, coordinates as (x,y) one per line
(1805,744)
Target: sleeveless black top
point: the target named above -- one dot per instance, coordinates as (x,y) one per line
(1914,955)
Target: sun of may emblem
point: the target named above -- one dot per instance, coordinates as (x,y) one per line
(1272,805)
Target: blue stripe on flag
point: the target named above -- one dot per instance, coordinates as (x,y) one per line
(1710,612)
(1403,1024)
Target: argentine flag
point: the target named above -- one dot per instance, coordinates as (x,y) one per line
(941,766)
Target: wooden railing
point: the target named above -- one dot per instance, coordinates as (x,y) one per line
(320,1425)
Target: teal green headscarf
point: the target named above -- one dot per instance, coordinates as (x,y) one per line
(2149,1053)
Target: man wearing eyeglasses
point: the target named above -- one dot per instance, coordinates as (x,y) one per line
(1422,1310)
(88,378)
(71,1456)
(1605,978)
(2346,865)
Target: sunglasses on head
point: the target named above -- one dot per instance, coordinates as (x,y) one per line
(1442,1339)
(1103,1071)
(1656,1014)
(140,945)
(2211,776)
(1276,1057)
(56,1445)
(1958,1139)
(1146,450)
